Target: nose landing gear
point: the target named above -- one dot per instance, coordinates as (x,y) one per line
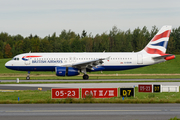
(28,76)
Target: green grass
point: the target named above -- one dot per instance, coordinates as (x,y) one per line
(36,96)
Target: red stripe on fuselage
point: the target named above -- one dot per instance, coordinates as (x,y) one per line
(31,56)
(162,35)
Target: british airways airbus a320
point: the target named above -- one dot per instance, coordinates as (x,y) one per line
(71,64)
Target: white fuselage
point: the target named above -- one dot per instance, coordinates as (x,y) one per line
(48,61)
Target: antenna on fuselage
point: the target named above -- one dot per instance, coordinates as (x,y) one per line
(104,51)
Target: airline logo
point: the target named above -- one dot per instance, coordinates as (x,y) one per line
(159,43)
(26,58)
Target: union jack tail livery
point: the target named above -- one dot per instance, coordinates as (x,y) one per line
(158,44)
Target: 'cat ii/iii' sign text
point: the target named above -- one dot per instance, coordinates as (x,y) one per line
(99,92)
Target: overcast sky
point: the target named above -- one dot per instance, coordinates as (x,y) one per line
(44,17)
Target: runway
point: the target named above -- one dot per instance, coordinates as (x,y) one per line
(77,85)
(89,111)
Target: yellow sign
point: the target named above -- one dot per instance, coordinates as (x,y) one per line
(127,92)
(156,88)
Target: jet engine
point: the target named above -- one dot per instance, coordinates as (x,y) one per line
(66,71)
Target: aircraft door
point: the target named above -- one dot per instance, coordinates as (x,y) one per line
(74,59)
(139,59)
(27,62)
(70,59)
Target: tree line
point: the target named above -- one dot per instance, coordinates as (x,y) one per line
(68,41)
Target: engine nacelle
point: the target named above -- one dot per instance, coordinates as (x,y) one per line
(66,71)
(60,71)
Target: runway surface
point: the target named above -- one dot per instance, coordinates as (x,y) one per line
(89,80)
(77,85)
(89,111)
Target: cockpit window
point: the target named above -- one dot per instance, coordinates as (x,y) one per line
(15,58)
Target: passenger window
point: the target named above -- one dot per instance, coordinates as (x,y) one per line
(17,58)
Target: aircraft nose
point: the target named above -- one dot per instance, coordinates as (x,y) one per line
(7,64)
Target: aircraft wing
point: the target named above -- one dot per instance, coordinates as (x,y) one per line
(89,64)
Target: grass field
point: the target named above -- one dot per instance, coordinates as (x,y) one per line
(170,68)
(29,96)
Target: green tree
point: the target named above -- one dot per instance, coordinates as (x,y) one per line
(176,37)
(84,33)
(27,46)
(35,43)
(76,45)
(7,50)
(45,46)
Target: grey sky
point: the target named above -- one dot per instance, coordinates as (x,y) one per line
(44,17)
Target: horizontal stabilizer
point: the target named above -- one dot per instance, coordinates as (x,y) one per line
(166,57)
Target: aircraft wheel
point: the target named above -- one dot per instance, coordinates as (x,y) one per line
(85,77)
(27,78)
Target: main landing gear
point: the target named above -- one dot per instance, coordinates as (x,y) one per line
(28,76)
(85,77)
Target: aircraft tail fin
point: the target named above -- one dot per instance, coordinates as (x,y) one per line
(159,42)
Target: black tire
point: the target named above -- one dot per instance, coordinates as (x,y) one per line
(85,77)
(27,78)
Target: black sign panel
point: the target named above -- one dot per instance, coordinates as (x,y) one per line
(126,92)
(156,88)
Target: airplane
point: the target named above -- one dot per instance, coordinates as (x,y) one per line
(71,64)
